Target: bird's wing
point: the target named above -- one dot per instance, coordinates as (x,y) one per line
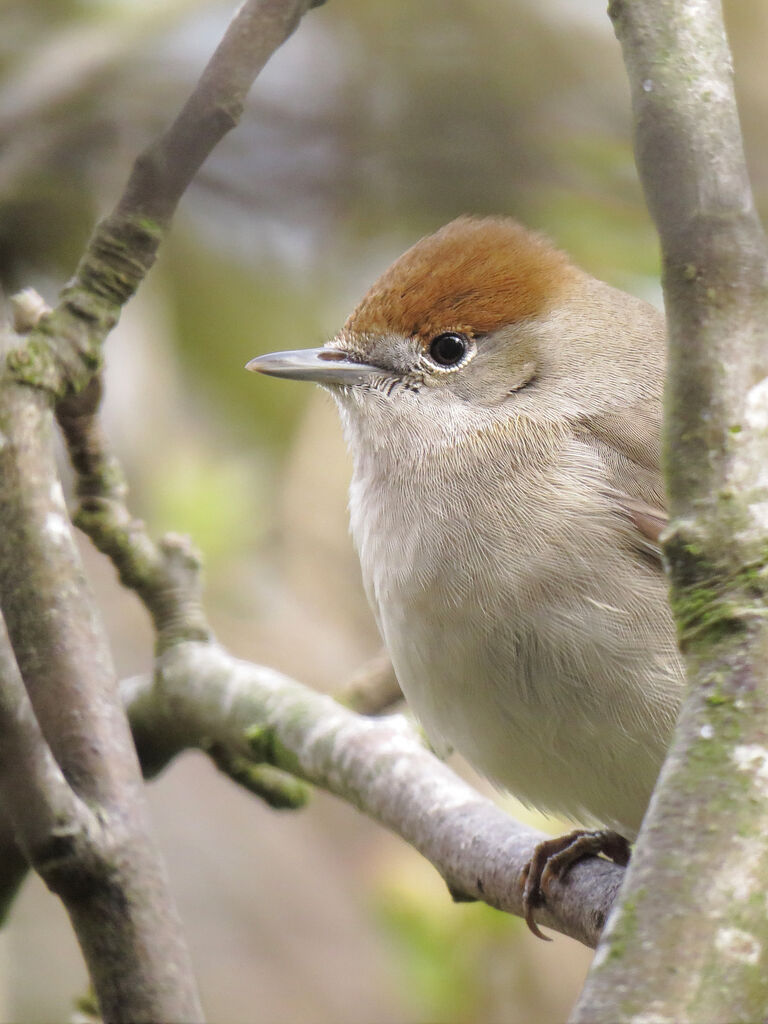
(629,442)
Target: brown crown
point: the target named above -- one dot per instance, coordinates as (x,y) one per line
(474,275)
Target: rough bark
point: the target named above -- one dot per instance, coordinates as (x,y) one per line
(79,813)
(689,938)
(64,350)
(81,816)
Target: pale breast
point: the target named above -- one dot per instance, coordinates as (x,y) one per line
(530,641)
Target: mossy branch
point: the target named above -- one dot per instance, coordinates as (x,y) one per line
(109,875)
(64,350)
(694,897)
(165,575)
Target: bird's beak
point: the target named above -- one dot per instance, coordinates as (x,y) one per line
(322,365)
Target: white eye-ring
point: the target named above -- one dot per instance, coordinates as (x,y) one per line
(450,350)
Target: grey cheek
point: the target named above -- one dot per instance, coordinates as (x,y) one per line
(526,376)
(487,393)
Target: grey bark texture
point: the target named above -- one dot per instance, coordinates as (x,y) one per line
(689,938)
(70,781)
(78,810)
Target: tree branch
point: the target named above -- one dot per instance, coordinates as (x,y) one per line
(13,866)
(702,855)
(123,914)
(110,877)
(166,576)
(64,350)
(115,891)
(373,688)
(36,796)
(202,695)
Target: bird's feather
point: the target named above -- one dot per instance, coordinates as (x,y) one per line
(628,442)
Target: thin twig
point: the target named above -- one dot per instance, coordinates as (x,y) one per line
(64,350)
(166,575)
(373,688)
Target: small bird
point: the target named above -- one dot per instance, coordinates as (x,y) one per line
(503,411)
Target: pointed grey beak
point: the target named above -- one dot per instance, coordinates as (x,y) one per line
(322,365)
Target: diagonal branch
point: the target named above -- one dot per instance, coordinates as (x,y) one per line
(166,575)
(64,350)
(202,695)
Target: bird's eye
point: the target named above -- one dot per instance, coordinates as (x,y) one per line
(448,349)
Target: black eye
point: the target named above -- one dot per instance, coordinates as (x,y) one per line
(448,349)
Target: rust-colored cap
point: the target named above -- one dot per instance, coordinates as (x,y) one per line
(474,275)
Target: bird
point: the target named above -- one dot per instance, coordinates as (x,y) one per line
(503,411)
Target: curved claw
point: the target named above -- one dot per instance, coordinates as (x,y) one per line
(530,878)
(553,859)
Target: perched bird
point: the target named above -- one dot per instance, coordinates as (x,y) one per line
(503,411)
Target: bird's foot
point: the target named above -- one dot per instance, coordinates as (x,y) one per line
(554,857)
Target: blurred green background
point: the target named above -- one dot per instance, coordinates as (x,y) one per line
(376,123)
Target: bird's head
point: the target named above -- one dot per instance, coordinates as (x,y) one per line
(480,322)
